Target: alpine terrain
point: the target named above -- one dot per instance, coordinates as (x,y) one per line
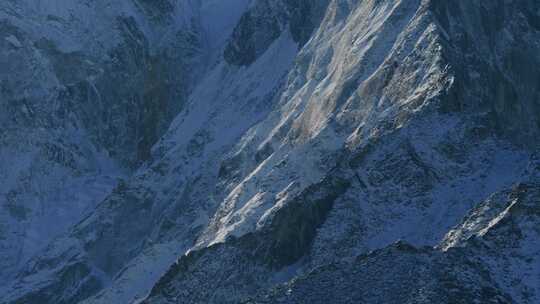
(269,151)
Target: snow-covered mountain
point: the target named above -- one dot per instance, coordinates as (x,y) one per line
(270,151)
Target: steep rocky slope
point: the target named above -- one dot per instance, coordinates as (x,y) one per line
(377,103)
(272,151)
(87,89)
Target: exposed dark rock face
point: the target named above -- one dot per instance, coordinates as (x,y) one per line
(399,273)
(260,26)
(282,243)
(80,110)
(489,46)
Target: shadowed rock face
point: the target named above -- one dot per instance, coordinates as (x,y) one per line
(282,243)
(399,273)
(489,45)
(79,110)
(281,151)
(124,99)
(158,10)
(461,274)
(260,26)
(73,284)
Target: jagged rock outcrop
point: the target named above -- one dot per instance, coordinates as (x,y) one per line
(413,152)
(266,20)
